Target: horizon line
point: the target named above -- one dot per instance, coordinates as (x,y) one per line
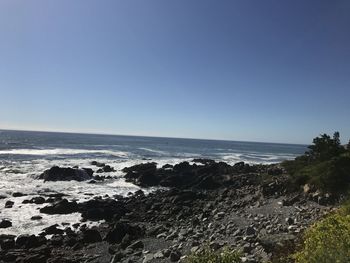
(148,136)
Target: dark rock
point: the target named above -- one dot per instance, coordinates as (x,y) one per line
(91,236)
(29,241)
(9,204)
(52,230)
(37,200)
(98,164)
(36,217)
(291,201)
(203,161)
(108,169)
(5,223)
(250,231)
(118,232)
(61,207)
(56,240)
(102,209)
(66,174)
(289,221)
(8,244)
(18,194)
(167,166)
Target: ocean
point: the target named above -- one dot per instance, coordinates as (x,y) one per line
(26,154)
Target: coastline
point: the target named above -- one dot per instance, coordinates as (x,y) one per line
(250,208)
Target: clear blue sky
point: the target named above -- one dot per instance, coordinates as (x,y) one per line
(274,71)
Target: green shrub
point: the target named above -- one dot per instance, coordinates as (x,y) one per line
(330,176)
(326,165)
(327,241)
(208,255)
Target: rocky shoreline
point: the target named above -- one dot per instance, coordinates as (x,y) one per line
(251,208)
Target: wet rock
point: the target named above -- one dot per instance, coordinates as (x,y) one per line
(66,174)
(61,207)
(18,194)
(37,200)
(108,169)
(98,164)
(167,166)
(36,217)
(5,223)
(9,204)
(52,230)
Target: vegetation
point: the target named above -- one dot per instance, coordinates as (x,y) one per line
(326,165)
(327,240)
(208,255)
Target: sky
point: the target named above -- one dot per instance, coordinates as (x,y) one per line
(273,71)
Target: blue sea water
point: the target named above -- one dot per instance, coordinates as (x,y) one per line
(27,145)
(25,154)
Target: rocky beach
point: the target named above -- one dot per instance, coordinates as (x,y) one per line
(253,209)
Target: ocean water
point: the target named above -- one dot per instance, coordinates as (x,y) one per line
(24,154)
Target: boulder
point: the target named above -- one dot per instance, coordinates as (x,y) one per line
(29,241)
(120,229)
(66,174)
(91,236)
(61,207)
(99,209)
(53,230)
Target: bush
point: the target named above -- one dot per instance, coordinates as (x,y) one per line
(326,165)
(329,176)
(327,241)
(208,255)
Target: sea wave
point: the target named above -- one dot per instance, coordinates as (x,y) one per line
(153,151)
(61,151)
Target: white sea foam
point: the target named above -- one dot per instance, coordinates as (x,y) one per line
(62,151)
(154,151)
